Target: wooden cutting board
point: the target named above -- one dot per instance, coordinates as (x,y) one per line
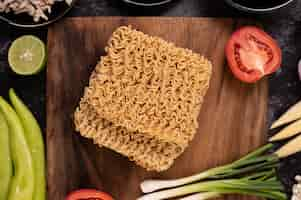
(232,120)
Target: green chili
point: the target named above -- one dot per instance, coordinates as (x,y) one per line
(22,183)
(35,141)
(5,159)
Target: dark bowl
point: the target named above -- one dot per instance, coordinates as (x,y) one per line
(59,9)
(146,4)
(259,10)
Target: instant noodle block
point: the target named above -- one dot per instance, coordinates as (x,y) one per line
(145,150)
(144,98)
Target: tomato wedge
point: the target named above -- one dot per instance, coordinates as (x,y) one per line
(252,54)
(88,194)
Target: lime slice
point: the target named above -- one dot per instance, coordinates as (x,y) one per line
(27,55)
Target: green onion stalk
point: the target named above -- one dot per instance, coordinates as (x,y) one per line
(253,174)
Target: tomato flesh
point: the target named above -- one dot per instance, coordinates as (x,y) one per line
(252,53)
(91,199)
(88,194)
(254,57)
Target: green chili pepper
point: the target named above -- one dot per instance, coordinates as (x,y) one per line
(22,183)
(35,141)
(5,159)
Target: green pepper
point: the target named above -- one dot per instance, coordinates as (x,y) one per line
(5,159)
(35,141)
(22,183)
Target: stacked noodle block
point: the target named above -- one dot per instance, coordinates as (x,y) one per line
(144,98)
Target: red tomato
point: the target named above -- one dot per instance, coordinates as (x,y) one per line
(87,194)
(252,54)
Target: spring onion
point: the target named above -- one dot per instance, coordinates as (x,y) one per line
(253,174)
(242,165)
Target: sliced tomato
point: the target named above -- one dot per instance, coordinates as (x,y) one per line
(88,194)
(252,54)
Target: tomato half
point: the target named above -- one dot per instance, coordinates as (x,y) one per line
(252,54)
(87,194)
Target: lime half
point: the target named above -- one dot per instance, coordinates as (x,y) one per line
(27,55)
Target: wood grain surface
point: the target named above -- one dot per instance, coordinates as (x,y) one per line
(232,120)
